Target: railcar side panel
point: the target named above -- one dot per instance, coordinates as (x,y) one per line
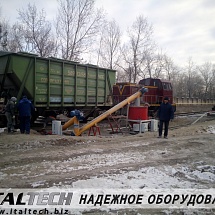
(51,82)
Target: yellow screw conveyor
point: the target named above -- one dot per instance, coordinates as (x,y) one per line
(75,120)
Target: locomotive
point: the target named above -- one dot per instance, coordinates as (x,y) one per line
(157,90)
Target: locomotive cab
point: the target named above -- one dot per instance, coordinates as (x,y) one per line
(157,90)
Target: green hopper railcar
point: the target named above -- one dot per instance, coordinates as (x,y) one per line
(55,84)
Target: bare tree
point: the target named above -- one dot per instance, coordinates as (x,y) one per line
(147,67)
(179,88)
(169,68)
(191,71)
(136,53)
(121,76)
(126,65)
(110,45)
(198,86)
(212,90)
(158,66)
(36,31)
(207,71)
(4,26)
(77,24)
(187,82)
(140,42)
(16,39)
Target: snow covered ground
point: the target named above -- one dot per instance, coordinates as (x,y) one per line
(184,161)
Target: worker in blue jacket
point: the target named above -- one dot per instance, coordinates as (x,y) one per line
(165,114)
(25,108)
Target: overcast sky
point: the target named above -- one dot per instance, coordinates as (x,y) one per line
(182,28)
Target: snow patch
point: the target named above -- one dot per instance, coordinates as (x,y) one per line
(38,184)
(211,129)
(143,178)
(2,175)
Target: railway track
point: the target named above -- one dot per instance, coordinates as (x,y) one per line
(189,113)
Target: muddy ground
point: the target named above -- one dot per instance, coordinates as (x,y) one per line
(185,160)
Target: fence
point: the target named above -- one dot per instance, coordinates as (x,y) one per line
(191,101)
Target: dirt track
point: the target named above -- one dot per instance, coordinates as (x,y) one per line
(185,160)
(27,160)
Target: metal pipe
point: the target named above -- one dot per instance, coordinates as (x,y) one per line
(137,102)
(78,132)
(199,118)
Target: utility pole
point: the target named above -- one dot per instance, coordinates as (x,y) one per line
(3,39)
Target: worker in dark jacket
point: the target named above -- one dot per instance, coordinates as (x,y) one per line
(25,108)
(165,114)
(10,114)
